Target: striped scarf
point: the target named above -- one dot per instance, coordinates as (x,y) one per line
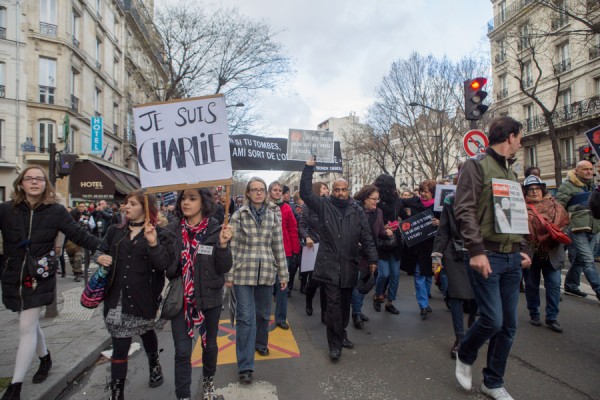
(193,237)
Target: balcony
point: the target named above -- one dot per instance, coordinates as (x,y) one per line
(500,58)
(2,91)
(502,94)
(115,129)
(577,111)
(75,42)
(2,32)
(595,52)
(48,29)
(524,43)
(74,103)
(559,22)
(563,66)
(509,12)
(568,163)
(47,94)
(527,82)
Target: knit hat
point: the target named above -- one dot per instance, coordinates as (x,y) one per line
(533,180)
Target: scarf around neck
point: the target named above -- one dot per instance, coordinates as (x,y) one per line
(258,214)
(192,237)
(427,203)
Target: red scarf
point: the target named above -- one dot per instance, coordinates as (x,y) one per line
(193,317)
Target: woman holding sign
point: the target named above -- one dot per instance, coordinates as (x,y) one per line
(202,257)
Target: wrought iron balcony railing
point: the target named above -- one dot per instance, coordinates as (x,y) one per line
(47,94)
(569,163)
(595,52)
(510,11)
(74,103)
(2,32)
(578,110)
(502,94)
(527,82)
(75,42)
(500,58)
(2,91)
(48,29)
(562,66)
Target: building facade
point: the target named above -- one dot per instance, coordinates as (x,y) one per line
(64,63)
(554,57)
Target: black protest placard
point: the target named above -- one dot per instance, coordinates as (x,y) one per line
(250,152)
(418,228)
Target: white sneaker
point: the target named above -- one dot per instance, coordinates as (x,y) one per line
(497,393)
(463,374)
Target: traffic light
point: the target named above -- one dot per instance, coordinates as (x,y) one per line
(474,96)
(66,162)
(585,153)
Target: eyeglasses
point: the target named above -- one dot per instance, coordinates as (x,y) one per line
(257,190)
(375,199)
(34,178)
(535,189)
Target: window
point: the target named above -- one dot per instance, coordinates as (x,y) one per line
(75,18)
(527,76)
(564,63)
(503,87)
(531,156)
(2,79)
(502,9)
(116,118)
(529,116)
(597,87)
(565,99)
(524,39)
(2,22)
(70,141)
(47,79)
(97,101)
(98,53)
(48,19)
(74,91)
(2,147)
(45,135)
(501,56)
(568,150)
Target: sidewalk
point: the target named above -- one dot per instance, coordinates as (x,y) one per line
(75,339)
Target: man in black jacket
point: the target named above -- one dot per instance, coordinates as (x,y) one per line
(343,226)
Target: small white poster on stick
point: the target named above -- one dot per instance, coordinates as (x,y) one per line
(309,256)
(183,141)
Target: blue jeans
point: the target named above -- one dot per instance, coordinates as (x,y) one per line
(422,287)
(357,301)
(389,268)
(252,322)
(532,288)
(497,298)
(280,298)
(584,244)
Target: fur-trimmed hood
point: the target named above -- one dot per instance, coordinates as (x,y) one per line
(574,179)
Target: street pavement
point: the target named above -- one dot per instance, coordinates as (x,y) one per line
(395,357)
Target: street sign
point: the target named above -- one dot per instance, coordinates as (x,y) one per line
(475,142)
(96,133)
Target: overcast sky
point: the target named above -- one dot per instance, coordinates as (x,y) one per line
(341,49)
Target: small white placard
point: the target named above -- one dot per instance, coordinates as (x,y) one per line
(207,250)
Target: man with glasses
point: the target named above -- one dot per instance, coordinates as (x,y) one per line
(343,226)
(574,194)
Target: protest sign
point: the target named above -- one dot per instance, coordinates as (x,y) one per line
(303,144)
(183,142)
(309,257)
(441,191)
(418,228)
(269,153)
(510,210)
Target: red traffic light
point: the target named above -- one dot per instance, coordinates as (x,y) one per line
(477,83)
(587,149)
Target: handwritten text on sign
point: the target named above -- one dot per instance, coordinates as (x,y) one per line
(182,142)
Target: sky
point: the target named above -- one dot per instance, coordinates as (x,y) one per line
(341,49)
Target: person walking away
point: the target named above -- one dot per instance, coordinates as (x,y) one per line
(258,257)
(547,255)
(338,257)
(136,253)
(202,258)
(494,258)
(30,222)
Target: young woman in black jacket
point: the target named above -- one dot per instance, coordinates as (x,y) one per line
(202,258)
(32,220)
(137,255)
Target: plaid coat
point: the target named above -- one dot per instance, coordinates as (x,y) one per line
(258,253)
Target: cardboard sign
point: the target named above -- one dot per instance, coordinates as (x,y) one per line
(510,210)
(182,141)
(303,144)
(418,228)
(441,191)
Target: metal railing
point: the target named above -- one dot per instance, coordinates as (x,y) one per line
(524,43)
(2,32)
(595,52)
(562,66)
(559,22)
(564,115)
(74,103)
(510,11)
(502,94)
(527,82)
(47,94)
(568,163)
(500,58)
(48,29)
(75,42)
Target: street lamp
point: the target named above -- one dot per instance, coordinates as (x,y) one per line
(441,139)
(240,104)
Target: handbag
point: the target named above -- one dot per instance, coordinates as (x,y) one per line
(95,288)
(172,299)
(552,229)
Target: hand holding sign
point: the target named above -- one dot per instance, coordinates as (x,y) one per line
(225,235)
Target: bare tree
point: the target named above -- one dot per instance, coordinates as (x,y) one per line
(219,52)
(584,11)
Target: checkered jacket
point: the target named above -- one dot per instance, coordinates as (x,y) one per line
(258,253)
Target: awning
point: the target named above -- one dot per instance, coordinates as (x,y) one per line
(89,180)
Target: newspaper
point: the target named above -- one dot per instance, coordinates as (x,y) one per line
(510,210)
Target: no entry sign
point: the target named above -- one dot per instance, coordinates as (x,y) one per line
(475,142)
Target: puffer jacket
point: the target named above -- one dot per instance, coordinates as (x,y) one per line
(19,291)
(209,270)
(573,194)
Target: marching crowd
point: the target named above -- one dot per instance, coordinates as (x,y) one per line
(256,255)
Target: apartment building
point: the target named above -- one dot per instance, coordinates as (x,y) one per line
(62,63)
(553,55)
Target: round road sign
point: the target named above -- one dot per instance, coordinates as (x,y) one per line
(475,142)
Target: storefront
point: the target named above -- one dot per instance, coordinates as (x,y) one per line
(91,181)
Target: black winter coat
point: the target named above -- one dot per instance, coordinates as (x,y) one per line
(338,257)
(46,221)
(308,225)
(137,273)
(209,270)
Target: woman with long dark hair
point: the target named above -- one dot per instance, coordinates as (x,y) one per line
(137,254)
(30,222)
(202,257)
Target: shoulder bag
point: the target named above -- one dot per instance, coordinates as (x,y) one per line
(172,299)
(552,229)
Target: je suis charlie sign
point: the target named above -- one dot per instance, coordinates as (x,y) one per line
(183,143)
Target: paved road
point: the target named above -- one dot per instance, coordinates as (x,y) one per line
(396,357)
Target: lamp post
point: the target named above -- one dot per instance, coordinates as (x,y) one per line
(441,139)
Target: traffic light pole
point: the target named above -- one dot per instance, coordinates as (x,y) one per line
(52,309)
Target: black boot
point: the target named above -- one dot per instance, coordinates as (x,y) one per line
(13,392)
(208,388)
(42,372)
(117,389)
(156,376)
